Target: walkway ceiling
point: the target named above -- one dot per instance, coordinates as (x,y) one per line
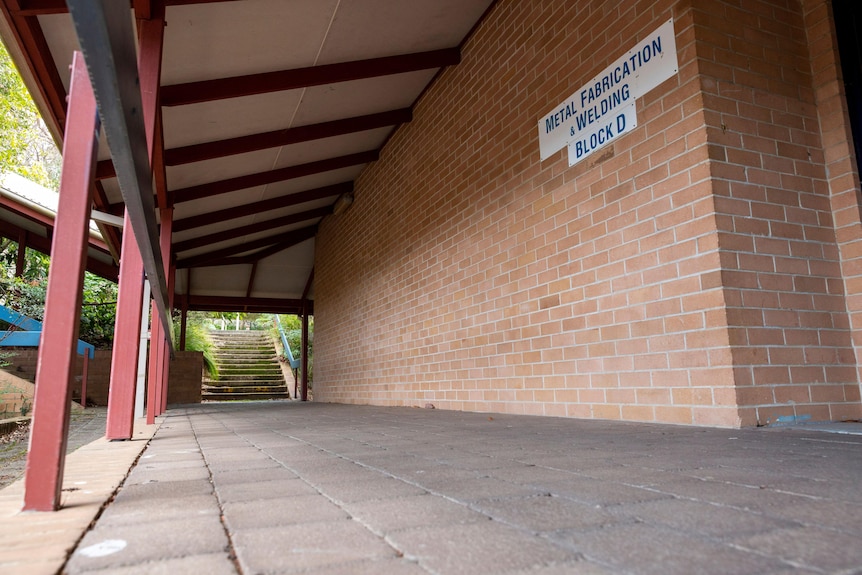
(270,110)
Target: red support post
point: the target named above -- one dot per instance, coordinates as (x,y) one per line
(127,330)
(57,353)
(154,382)
(166,225)
(21,260)
(84,372)
(184,318)
(150,40)
(303,353)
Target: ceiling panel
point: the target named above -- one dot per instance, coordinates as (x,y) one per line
(220,281)
(220,168)
(284,274)
(221,119)
(311,182)
(245,239)
(226,39)
(360,97)
(248,220)
(372,28)
(315,150)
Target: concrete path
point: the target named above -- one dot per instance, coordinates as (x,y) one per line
(285,487)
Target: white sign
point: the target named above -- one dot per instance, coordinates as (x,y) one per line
(602,132)
(605,99)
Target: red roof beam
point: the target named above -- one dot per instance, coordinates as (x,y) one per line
(261,206)
(274,139)
(289,239)
(221,303)
(237,86)
(251,229)
(272,176)
(277,138)
(46,7)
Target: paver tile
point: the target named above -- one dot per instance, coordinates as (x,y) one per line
(647,549)
(808,547)
(698,517)
(487,547)
(123,545)
(274,512)
(222,477)
(206,564)
(545,513)
(307,546)
(265,489)
(387,515)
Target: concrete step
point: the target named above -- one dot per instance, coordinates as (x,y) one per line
(243,396)
(247,381)
(248,368)
(245,389)
(226,373)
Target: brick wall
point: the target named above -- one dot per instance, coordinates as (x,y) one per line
(688,273)
(184,381)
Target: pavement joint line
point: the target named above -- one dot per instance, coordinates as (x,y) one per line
(232,554)
(60,533)
(386,537)
(341,504)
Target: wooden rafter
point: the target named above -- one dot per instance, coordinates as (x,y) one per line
(287,239)
(256,227)
(251,278)
(274,139)
(263,178)
(43,244)
(47,7)
(241,304)
(227,214)
(308,284)
(222,88)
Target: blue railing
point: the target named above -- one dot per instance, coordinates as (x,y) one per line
(29,332)
(294,363)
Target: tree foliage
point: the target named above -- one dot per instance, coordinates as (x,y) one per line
(26,295)
(26,145)
(197,339)
(292,325)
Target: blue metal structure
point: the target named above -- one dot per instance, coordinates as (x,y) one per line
(29,333)
(294,363)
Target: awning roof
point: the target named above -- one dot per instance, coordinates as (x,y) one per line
(270,111)
(27,212)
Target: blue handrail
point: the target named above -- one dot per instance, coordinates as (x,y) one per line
(294,363)
(32,332)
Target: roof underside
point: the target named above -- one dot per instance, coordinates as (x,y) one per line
(269,111)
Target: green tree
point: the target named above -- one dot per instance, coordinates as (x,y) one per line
(198,325)
(292,325)
(26,145)
(26,295)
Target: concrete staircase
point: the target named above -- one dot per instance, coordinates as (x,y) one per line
(248,368)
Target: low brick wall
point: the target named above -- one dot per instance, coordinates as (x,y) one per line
(184,384)
(184,380)
(16,396)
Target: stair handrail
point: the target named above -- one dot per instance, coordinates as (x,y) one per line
(294,363)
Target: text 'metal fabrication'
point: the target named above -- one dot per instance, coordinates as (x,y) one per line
(603,109)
